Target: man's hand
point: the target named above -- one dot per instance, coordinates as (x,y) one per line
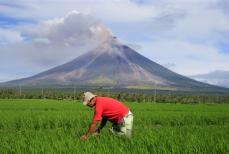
(84,137)
(90,130)
(97,132)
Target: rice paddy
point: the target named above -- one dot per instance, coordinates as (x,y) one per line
(52,126)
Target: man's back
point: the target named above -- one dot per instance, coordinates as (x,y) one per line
(110,108)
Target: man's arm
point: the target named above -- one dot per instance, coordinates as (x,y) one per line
(90,129)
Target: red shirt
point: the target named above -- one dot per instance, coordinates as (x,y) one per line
(110,108)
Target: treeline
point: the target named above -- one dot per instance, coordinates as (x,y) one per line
(122,96)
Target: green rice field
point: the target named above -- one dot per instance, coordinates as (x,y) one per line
(52,126)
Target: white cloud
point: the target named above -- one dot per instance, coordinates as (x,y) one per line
(188,58)
(75,29)
(192,19)
(188,34)
(52,43)
(203,23)
(9,36)
(113,10)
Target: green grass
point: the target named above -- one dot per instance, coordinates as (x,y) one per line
(48,126)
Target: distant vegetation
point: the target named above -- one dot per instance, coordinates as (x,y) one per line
(126,95)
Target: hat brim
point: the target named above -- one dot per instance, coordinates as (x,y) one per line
(85,103)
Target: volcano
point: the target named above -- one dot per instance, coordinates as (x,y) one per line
(111,64)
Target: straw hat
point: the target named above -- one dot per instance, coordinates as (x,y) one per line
(87,97)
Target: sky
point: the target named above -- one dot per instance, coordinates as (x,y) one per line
(187,36)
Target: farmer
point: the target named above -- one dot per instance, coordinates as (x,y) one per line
(108,109)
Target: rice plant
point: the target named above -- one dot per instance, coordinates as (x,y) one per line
(51,126)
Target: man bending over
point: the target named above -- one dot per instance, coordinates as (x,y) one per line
(108,109)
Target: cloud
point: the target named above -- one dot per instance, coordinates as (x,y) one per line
(117,10)
(202,25)
(9,36)
(49,43)
(193,35)
(11,4)
(75,29)
(187,58)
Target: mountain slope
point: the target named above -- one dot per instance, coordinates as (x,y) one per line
(112,64)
